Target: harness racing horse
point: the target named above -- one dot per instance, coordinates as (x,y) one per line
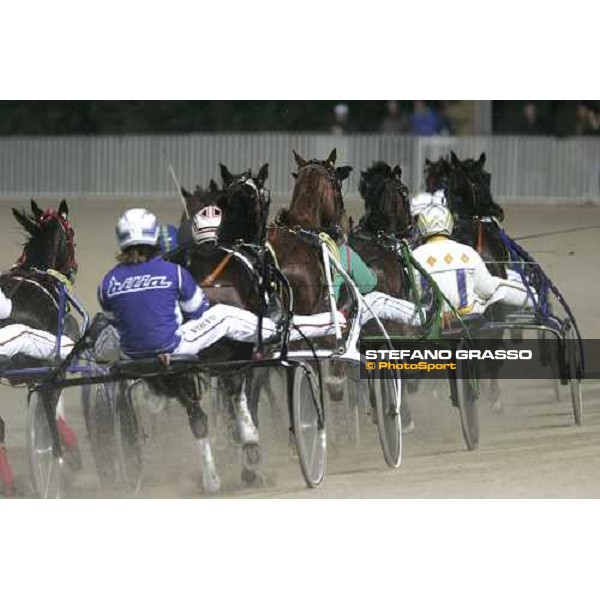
(227,273)
(467,187)
(48,256)
(387,217)
(317,206)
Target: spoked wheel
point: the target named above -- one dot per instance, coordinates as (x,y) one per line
(309,430)
(575,371)
(129,438)
(98,411)
(465,396)
(46,468)
(387,389)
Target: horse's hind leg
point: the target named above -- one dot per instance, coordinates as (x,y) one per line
(246,429)
(6,474)
(198,420)
(68,438)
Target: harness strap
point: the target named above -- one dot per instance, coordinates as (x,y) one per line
(209,279)
(62,278)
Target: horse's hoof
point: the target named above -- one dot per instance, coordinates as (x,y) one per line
(335,386)
(409,427)
(73,460)
(251,456)
(253,478)
(211,483)
(497,406)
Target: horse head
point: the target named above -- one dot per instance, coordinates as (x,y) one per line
(386,200)
(472,184)
(317,200)
(51,241)
(437,174)
(245,205)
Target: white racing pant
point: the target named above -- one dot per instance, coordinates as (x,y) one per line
(21,339)
(5,306)
(240,325)
(512,293)
(389,309)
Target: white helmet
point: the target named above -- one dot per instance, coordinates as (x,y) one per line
(423,200)
(435,219)
(137,227)
(205,224)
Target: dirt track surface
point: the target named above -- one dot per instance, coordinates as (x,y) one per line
(532,449)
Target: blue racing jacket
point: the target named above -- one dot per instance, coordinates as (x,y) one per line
(148,302)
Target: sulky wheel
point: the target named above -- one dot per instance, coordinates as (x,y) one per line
(575,371)
(387,390)
(45,463)
(307,424)
(98,410)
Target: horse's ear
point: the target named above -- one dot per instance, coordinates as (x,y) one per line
(63,209)
(226,176)
(481,161)
(428,162)
(332,157)
(454,159)
(342,173)
(397,172)
(26,222)
(186,193)
(36,210)
(213,186)
(263,174)
(301,162)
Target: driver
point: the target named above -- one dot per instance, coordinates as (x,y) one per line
(158,308)
(22,339)
(459,270)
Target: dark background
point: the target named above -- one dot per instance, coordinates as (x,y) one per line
(39,117)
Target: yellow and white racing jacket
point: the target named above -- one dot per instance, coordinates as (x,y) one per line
(464,279)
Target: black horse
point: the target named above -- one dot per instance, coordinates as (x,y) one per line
(467,188)
(33,286)
(228,272)
(476,215)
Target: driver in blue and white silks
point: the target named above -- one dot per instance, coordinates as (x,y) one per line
(158,308)
(459,270)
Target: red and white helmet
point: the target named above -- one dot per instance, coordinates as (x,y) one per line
(205,224)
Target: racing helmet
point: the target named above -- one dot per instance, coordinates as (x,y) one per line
(435,220)
(205,224)
(424,199)
(137,227)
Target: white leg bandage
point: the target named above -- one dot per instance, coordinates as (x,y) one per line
(21,339)
(5,306)
(389,309)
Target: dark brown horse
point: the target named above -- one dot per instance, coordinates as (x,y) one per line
(35,298)
(317,206)
(387,217)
